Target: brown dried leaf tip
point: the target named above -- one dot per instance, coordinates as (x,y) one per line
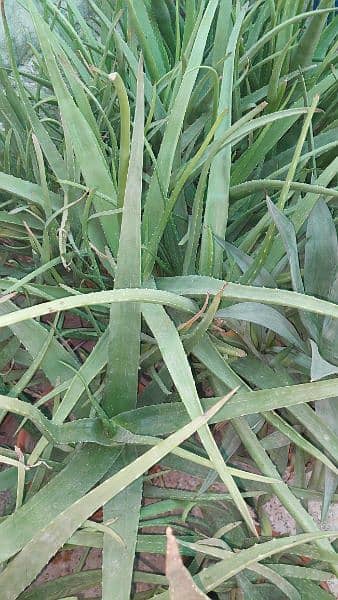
(181,584)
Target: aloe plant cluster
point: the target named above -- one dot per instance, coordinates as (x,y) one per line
(169,266)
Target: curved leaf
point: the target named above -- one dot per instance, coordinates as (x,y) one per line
(263,315)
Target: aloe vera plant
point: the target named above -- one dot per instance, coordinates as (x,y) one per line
(168,266)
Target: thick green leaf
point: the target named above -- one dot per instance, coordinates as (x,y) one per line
(269,138)
(64,150)
(321,252)
(320,368)
(244,262)
(157,420)
(85,144)
(87,466)
(266,317)
(69,584)
(200,286)
(31,192)
(151,43)
(302,211)
(176,361)
(217,201)
(288,236)
(33,336)
(121,385)
(328,340)
(211,577)
(96,298)
(160,181)
(28,563)
(303,54)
